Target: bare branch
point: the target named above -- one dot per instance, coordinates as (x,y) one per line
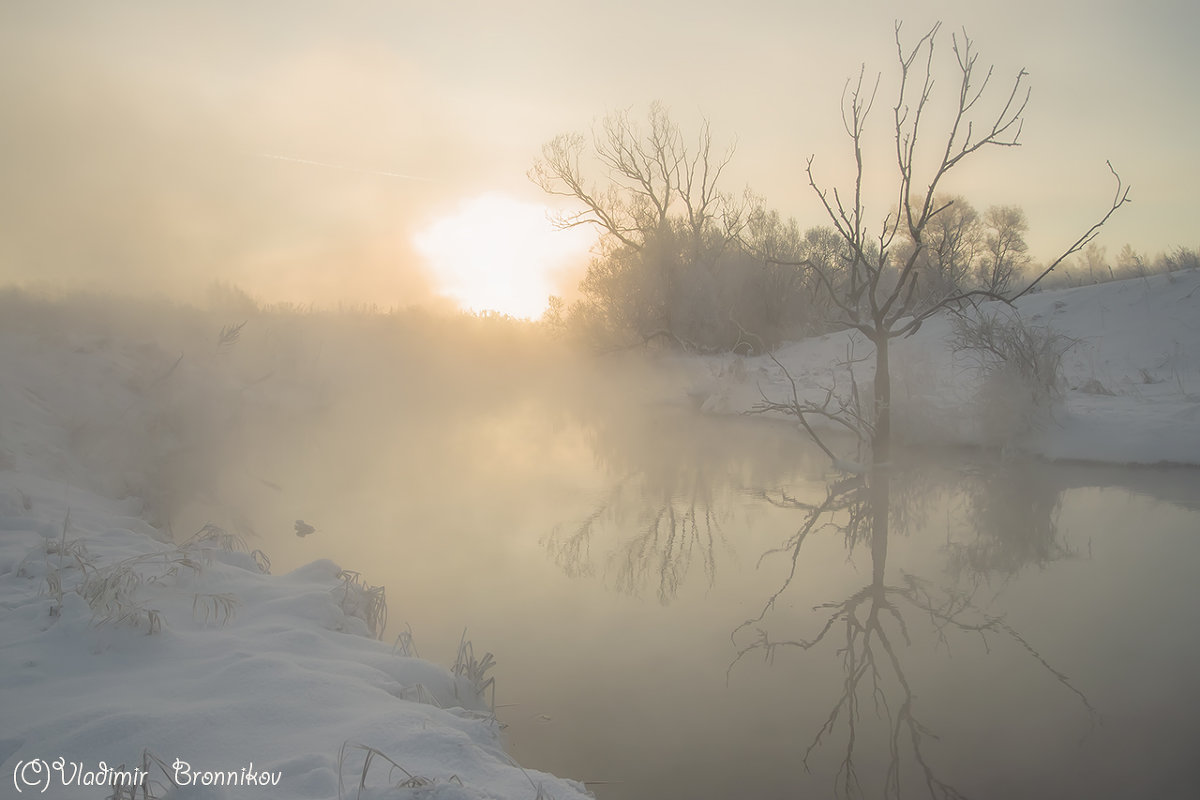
(1120,198)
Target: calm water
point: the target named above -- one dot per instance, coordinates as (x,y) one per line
(1021,630)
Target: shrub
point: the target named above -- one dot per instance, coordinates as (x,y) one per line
(1021,368)
(1180,258)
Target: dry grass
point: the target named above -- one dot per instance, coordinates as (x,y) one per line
(409,781)
(405,645)
(361,599)
(113,591)
(148,789)
(475,669)
(215,536)
(220,608)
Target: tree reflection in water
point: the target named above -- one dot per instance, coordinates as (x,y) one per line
(671,535)
(664,515)
(1012,512)
(667,518)
(1013,525)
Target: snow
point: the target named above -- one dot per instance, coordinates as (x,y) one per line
(119,645)
(122,650)
(281,684)
(1132,392)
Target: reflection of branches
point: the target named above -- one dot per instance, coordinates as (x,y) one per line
(954,603)
(840,495)
(676,479)
(670,536)
(870,664)
(862,618)
(1093,714)
(1011,511)
(872,621)
(667,545)
(573,551)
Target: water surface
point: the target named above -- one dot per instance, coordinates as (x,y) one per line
(986,628)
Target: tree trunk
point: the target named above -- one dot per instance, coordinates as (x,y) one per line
(880,499)
(881,442)
(881,456)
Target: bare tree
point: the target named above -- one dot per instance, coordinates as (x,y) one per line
(672,263)
(650,175)
(879,293)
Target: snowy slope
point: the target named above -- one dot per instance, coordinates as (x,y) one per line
(1132,379)
(118,648)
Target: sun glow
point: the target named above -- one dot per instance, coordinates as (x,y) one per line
(496,253)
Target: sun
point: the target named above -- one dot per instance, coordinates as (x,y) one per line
(497,253)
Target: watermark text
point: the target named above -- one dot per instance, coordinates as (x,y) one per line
(36,775)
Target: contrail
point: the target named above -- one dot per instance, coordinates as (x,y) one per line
(346,168)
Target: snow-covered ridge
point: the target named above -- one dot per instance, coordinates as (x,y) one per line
(1132,379)
(180,661)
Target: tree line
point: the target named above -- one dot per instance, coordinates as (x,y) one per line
(683,260)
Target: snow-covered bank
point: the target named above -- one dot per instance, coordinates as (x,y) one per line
(186,663)
(1132,380)
(243,670)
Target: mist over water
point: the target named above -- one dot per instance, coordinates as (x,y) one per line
(1024,630)
(233,238)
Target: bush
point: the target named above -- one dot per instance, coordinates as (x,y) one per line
(1180,258)
(1021,368)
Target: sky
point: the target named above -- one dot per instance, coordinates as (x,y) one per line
(368,153)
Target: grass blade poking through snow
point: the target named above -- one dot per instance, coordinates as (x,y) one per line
(474,670)
(410,781)
(221,608)
(404,644)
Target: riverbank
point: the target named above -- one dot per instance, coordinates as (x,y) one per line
(1130,388)
(131,655)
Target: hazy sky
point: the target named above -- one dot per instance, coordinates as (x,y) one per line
(303,150)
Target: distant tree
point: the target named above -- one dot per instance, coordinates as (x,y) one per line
(674,261)
(652,180)
(658,207)
(1130,263)
(1179,259)
(784,288)
(1006,254)
(953,238)
(1095,261)
(950,253)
